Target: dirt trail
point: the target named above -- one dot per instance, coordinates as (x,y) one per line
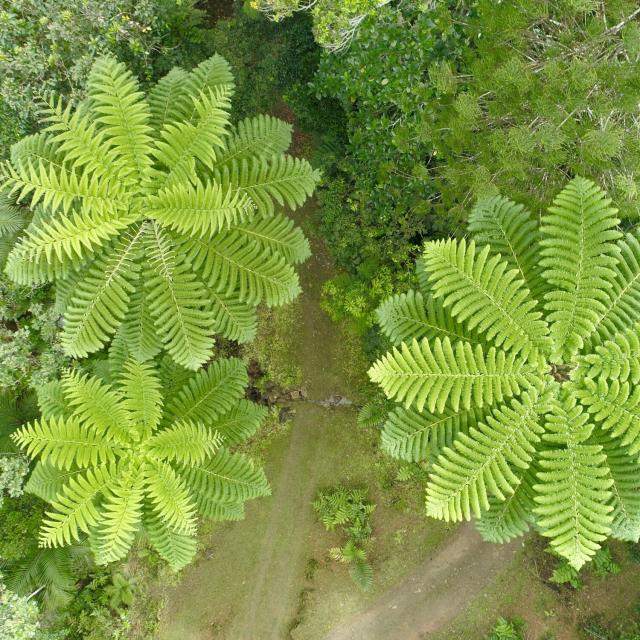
(434,594)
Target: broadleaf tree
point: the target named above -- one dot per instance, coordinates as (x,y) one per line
(120,460)
(516,366)
(157,218)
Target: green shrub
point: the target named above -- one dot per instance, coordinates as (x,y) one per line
(50,47)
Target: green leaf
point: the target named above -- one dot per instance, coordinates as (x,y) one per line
(184,442)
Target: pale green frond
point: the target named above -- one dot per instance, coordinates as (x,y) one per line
(415,436)
(178,549)
(60,189)
(123,115)
(47,482)
(66,285)
(181,144)
(622,306)
(170,497)
(75,507)
(138,329)
(100,301)
(573,493)
(625,490)
(279,235)
(79,140)
(232,319)
(242,422)
(615,406)
(163,98)
(177,303)
(51,400)
(172,376)
(120,517)
(481,291)
(220,511)
(38,147)
(510,518)
(432,375)
(281,180)
(235,264)
(578,257)
(12,219)
(259,136)
(184,442)
(511,231)
(140,386)
(227,477)
(408,315)
(210,393)
(616,359)
(49,248)
(479,464)
(64,443)
(198,209)
(96,406)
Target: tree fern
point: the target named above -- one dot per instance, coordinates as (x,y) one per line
(117,461)
(532,408)
(156,213)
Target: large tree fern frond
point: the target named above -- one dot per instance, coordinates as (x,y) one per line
(434,374)
(185,442)
(164,98)
(511,231)
(578,257)
(232,318)
(483,292)
(241,422)
(142,395)
(178,549)
(479,464)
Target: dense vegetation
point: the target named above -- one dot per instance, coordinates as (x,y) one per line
(144,229)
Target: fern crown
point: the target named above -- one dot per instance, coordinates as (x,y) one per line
(118,460)
(156,218)
(517,364)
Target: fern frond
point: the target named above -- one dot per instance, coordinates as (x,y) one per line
(184,442)
(259,136)
(210,393)
(138,330)
(75,510)
(510,518)
(615,406)
(622,306)
(280,179)
(227,477)
(120,516)
(163,98)
(38,147)
(47,482)
(408,315)
(101,298)
(479,464)
(178,549)
(51,400)
(123,115)
(241,422)
(422,374)
(199,209)
(142,396)
(279,235)
(625,490)
(232,319)
(176,303)
(220,511)
(48,249)
(616,359)
(481,291)
(578,257)
(97,407)
(234,264)
(511,231)
(573,494)
(170,497)
(415,436)
(64,443)
(12,219)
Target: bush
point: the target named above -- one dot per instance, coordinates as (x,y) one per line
(50,47)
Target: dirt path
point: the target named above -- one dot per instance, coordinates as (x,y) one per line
(434,594)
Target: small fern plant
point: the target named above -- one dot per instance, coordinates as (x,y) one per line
(119,460)
(517,364)
(155,216)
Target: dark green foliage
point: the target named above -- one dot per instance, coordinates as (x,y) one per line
(603,564)
(50,46)
(507,630)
